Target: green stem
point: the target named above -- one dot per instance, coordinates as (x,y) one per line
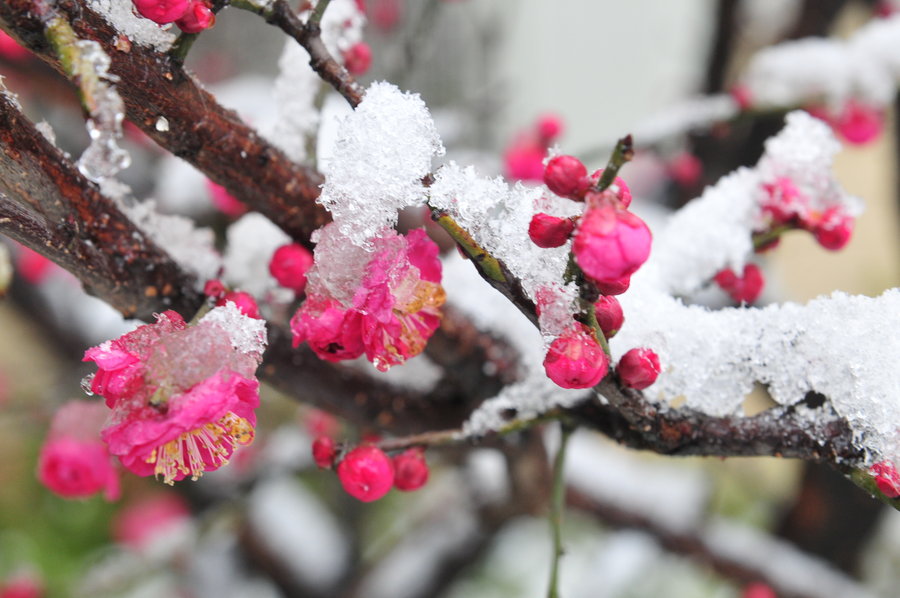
(865,480)
(591,312)
(764,238)
(557,503)
(182,46)
(622,153)
(486,262)
(315,19)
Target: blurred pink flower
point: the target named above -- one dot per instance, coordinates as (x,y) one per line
(139,523)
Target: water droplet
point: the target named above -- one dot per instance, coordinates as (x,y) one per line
(86,385)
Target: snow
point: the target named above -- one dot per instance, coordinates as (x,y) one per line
(252,239)
(382,152)
(139,30)
(247,335)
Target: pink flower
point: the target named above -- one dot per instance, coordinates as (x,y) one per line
(886,478)
(138,524)
(225,201)
(685,169)
(394,311)
(214,289)
(289,265)
(638,368)
(549,127)
(189,398)
(197,18)
(323,452)
(611,243)
(859,123)
(410,470)
(358,58)
(833,228)
(575,359)
(745,288)
(758,590)
(385,14)
(609,315)
(366,473)
(162,11)
(523,160)
(74,463)
(22,585)
(120,367)
(10,48)
(32,266)
(550,231)
(567,177)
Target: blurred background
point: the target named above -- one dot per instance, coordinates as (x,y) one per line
(272,525)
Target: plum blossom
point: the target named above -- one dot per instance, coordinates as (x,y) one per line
(388,309)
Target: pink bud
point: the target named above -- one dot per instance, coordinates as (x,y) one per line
(549,127)
(609,315)
(22,585)
(619,189)
(32,266)
(742,96)
(567,177)
(366,473)
(886,478)
(358,58)
(385,14)
(549,231)
(225,201)
(162,11)
(10,48)
(322,423)
(758,590)
(638,368)
(613,287)
(214,288)
(289,265)
(244,301)
(197,18)
(784,203)
(859,123)
(523,160)
(575,359)
(141,524)
(611,244)
(742,289)
(323,451)
(834,229)
(686,169)
(410,470)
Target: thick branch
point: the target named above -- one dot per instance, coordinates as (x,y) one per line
(199,130)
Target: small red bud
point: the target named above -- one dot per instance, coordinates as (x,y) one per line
(742,289)
(638,368)
(358,58)
(886,478)
(613,287)
(575,359)
(834,229)
(323,451)
(619,189)
(214,288)
(366,473)
(758,590)
(567,177)
(244,301)
(410,470)
(197,18)
(162,11)
(549,127)
(609,315)
(549,231)
(289,266)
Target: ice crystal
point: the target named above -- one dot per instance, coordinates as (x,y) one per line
(251,242)
(121,16)
(247,335)
(383,151)
(296,89)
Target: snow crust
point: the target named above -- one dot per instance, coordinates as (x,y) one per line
(866,66)
(139,30)
(383,150)
(252,239)
(247,335)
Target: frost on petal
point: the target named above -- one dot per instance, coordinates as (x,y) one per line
(247,335)
(383,150)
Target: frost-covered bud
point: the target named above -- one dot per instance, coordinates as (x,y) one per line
(758,590)
(575,359)
(619,189)
(323,451)
(638,368)
(410,470)
(742,289)
(550,231)
(244,301)
(784,203)
(611,244)
(886,478)
(567,177)
(613,287)
(834,229)
(366,473)
(609,315)
(214,288)
(197,18)
(289,265)
(74,462)
(549,127)
(162,11)
(358,58)
(859,123)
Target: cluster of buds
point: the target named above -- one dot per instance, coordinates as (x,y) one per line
(221,295)
(744,289)
(785,206)
(524,158)
(191,16)
(367,473)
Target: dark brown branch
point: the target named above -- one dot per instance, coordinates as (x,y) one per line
(199,130)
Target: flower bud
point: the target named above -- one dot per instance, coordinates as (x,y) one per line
(609,315)
(549,127)
(575,359)
(289,265)
(742,289)
(834,229)
(619,189)
(358,58)
(886,478)
(323,451)
(214,288)
(549,231)
(162,11)
(613,287)
(197,18)
(244,301)
(859,123)
(410,470)
(366,473)
(638,368)
(758,590)
(610,243)
(567,177)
